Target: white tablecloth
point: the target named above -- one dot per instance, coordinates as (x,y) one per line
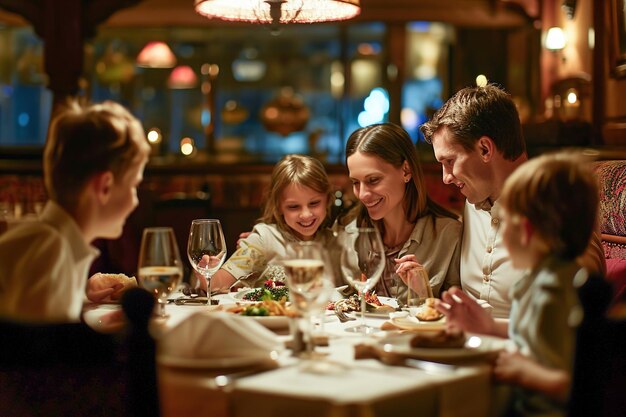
(362,388)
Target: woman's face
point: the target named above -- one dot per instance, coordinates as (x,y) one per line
(303,209)
(379,185)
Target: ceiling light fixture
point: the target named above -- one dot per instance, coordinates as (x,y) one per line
(156,54)
(275,12)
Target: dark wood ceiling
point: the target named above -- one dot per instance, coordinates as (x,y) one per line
(484,13)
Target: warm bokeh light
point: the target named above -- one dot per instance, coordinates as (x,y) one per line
(481,80)
(154,135)
(187,146)
(555,39)
(572,97)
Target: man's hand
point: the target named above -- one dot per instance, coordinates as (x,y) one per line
(463,312)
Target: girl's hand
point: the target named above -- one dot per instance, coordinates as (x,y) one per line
(207,261)
(463,312)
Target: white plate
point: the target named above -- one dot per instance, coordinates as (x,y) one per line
(413,324)
(213,363)
(105,318)
(238,296)
(476,347)
(271,322)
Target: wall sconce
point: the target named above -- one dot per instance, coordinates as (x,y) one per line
(555,39)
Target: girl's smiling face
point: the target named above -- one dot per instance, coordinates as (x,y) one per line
(303,209)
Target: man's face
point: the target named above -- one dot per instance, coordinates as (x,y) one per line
(468,170)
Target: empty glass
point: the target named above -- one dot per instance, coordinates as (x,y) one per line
(206,249)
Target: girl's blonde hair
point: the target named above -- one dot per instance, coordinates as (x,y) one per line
(558,194)
(300,170)
(84,140)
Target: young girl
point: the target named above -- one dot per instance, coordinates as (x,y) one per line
(387,179)
(549,207)
(297,208)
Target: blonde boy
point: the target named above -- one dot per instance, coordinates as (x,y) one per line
(93,162)
(549,208)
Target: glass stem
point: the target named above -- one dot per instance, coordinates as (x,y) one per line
(208,290)
(363,309)
(309,336)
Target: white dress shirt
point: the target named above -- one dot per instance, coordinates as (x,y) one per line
(43,268)
(486,270)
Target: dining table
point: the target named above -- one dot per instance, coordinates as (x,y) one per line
(340,385)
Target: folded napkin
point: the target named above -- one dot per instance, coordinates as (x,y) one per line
(214,335)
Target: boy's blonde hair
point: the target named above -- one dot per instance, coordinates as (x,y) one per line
(558,194)
(87,140)
(295,169)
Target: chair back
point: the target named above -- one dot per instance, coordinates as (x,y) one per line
(68,369)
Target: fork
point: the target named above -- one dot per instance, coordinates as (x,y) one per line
(342,316)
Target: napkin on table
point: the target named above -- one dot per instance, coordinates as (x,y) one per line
(211,335)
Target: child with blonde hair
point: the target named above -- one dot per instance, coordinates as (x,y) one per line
(297,209)
(549,208)
(93,162)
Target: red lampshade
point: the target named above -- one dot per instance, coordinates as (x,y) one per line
(156,54)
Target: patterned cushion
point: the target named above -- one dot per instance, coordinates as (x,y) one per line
(612,184)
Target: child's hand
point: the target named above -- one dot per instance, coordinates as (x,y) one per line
(510,366)
(463,312)
(100,288)
(207,261)
(242,236)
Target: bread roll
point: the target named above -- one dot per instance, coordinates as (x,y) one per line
(103,281)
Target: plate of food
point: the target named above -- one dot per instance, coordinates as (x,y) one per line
(269,313)
(271,290)
(374,306)
(444,346)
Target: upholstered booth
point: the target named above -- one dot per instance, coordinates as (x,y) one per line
(612,183)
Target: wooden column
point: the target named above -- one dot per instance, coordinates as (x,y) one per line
(64,26)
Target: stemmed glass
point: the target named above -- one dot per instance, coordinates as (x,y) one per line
(160,268)
(362,264)
(206,249)
(305,269)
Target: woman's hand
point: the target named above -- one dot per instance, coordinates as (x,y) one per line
(405,264)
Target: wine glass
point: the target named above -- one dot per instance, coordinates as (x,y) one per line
(206,249)
(160,268)
(362,264)
(305,269)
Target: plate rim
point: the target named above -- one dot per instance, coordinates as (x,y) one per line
(444,353)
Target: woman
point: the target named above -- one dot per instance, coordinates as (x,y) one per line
(388,181)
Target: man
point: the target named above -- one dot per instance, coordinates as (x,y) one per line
(477,138)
